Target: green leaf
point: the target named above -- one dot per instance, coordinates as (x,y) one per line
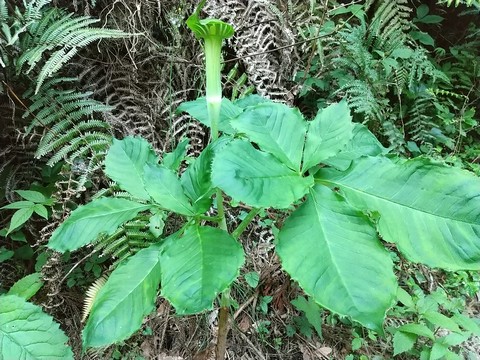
(196,180)
(257,178)
(41,260)
(5,254)
(121,304)
(252,278)
(431,19)
(327,134)
(164,187)
(125,162)
(312,311)
(422,11)
(417,329)
(19,205)
(198,110)
(454,339)
(423,37)
(27,286)
(24,252)
(403,341)
(405,298)
(402,53)
(28,333)
(41,210)
(332,250)
(438,351)
(19,218)
(31,195)
(87,222)
(18,236)
(173,159)
(441,320)
(251,100)
(356,344)
(156,224)
(275,128)
(467,323)
(430,211)
(198,266)
(362,143)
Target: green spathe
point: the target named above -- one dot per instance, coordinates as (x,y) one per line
(212,31)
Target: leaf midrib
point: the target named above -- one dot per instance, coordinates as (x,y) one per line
(122,299)
(394,202)
(352,298)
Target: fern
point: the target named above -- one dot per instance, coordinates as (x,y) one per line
(58,36)
(72,132)
(90,296)
(459,2)
(420,123)
(387,30)
(127,240)
(362,99)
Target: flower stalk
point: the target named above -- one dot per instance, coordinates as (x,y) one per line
(213,32)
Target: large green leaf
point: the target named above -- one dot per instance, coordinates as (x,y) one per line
(332,250)
(125,162)
(121,304)
(198,266)
(430,211)
(277,129)
(85,223)
(198,110)
(251,100)
(327,134)
(27,333)
(165,188)
(362,143)
(257,178)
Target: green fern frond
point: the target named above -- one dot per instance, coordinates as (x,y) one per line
(394,134)
(34,9)
(362,100)
(127,240)
(71,129)
(391,19)
(458,2)
(421,117)
(3,12)
(90,296)
(58,36)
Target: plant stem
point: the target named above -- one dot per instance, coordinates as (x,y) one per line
(209,218)
(245,222)
(213,55)
(222,222)
(223,326)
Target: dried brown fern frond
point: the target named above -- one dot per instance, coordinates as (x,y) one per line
(90,296)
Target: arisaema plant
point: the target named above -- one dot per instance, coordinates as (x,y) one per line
(347,198)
